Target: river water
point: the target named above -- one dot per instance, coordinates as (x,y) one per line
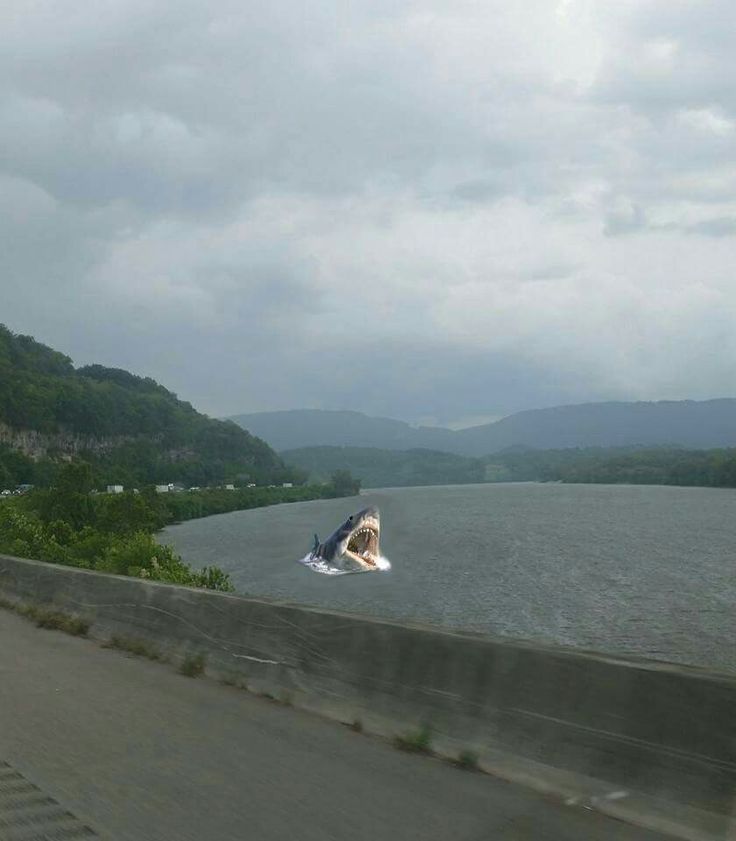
(642,570)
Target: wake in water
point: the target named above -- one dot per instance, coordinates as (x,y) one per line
(325,568)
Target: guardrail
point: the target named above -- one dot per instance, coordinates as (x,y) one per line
(663,730)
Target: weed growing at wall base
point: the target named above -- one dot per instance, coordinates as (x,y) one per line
(467,760)
(192,665)
(132,645)
(54,620)
(416,741)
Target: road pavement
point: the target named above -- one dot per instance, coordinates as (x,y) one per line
(96,741)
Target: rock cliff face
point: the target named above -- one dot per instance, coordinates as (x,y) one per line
(36,444)
(123,423)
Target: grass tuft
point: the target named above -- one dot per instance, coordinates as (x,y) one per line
(417,741)
(192,665)
(467,760)
(133,645)
(55,620)
(230,679)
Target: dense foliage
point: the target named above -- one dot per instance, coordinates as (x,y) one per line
(658,466)
(19,469)
(67,524)
(388,468)
(136,464)
(87,428)
(131,429)
(177,507)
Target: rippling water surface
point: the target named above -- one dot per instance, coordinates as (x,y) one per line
(642,570)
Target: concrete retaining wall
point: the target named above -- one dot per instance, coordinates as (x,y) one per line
(659,729)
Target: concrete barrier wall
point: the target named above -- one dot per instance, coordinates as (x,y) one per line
(656,728)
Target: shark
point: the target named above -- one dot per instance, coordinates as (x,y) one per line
(354,546)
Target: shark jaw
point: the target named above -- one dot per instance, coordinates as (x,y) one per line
(354,546)
(363,543)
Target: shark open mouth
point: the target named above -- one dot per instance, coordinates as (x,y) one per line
(352,547)
(363,543)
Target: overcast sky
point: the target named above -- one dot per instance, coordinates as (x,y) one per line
(439,210)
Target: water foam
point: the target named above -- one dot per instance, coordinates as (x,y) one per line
(325,568)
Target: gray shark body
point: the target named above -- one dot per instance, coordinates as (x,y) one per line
(353,547)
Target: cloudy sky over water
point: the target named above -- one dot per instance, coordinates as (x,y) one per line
(438,210)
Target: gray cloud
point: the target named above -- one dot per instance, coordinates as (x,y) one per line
(427,210)
(722,226)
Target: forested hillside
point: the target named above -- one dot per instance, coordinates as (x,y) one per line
(131,429)
(653,466)
(382,468)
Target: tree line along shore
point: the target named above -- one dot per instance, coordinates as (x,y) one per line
(66,523)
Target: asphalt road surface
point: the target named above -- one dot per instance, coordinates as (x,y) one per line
(96,743)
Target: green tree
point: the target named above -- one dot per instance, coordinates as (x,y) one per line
(69,499)
(342,483)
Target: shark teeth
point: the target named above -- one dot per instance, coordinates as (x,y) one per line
(369,534)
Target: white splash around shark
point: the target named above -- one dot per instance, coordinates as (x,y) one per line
(353,547)
(323,567)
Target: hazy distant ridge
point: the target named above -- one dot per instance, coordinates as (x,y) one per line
(688,423)
(315,428)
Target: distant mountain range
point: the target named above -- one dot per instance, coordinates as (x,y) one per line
(686,423)
(315,428)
